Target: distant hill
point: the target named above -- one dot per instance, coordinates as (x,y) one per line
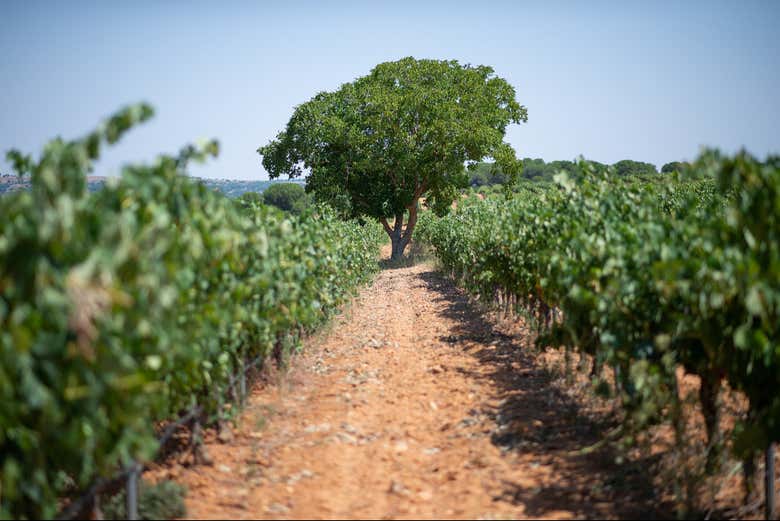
(235,188)
(229,187)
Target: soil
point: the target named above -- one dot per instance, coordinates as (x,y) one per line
(414,404)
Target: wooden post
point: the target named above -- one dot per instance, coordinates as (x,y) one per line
(132,492)
(242,383)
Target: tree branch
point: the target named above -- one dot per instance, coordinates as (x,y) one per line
(413,210)
(399,222)
(386,225)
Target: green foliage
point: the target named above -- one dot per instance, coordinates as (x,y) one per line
(163,500)
(628,167)
(486,174)
(289,197)
(376,145)
(675,166)
(249,199)
(122,307)
(646,275)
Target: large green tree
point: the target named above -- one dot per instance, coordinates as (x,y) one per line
(290,197)
(379,144)
(629,167)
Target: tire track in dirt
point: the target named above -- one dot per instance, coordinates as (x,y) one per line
(412,405)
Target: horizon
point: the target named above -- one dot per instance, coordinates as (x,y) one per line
(607,81)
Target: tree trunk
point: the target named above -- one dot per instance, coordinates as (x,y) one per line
(400,238)
(398,247)
(709,397)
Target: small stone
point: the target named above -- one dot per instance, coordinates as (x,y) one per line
(225,434)
(347,438)
(432,451)
(401,446)
(349,428)
(277,508)
(396,488)
(325,427)
(224,468)
(433,406)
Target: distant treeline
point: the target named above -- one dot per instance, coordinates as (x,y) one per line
(229,187)
(487,174)
(289,197)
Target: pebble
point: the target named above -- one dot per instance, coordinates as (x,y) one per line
(349,428)
(347,438)
(397,488)
(325,427)
(225,434)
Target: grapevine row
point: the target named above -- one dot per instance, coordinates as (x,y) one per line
(123,307)
(644,277)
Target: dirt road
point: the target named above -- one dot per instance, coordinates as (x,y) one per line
(413,405)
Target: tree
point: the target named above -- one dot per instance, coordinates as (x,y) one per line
(628,167)
(675,166)
(249,200)
(487,174)
(377,145)
(290,197)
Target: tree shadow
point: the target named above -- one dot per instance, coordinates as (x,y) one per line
(537,418)
(397,264)
(416,253)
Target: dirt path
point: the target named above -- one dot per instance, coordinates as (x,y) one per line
(412,406)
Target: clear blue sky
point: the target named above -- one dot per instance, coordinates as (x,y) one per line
(646,80)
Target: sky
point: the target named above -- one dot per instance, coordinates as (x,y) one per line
(649,81)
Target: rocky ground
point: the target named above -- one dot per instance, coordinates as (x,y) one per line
(413,405)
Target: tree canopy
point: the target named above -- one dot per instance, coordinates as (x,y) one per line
(675,166)
(290,197)
(628,167)
(376,145)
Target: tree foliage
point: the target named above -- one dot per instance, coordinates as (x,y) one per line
(629,167)
(289,197)
(675,166)
(376,145)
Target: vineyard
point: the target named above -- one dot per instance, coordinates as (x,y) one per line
(134,310)
(643,277)
(135,305)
